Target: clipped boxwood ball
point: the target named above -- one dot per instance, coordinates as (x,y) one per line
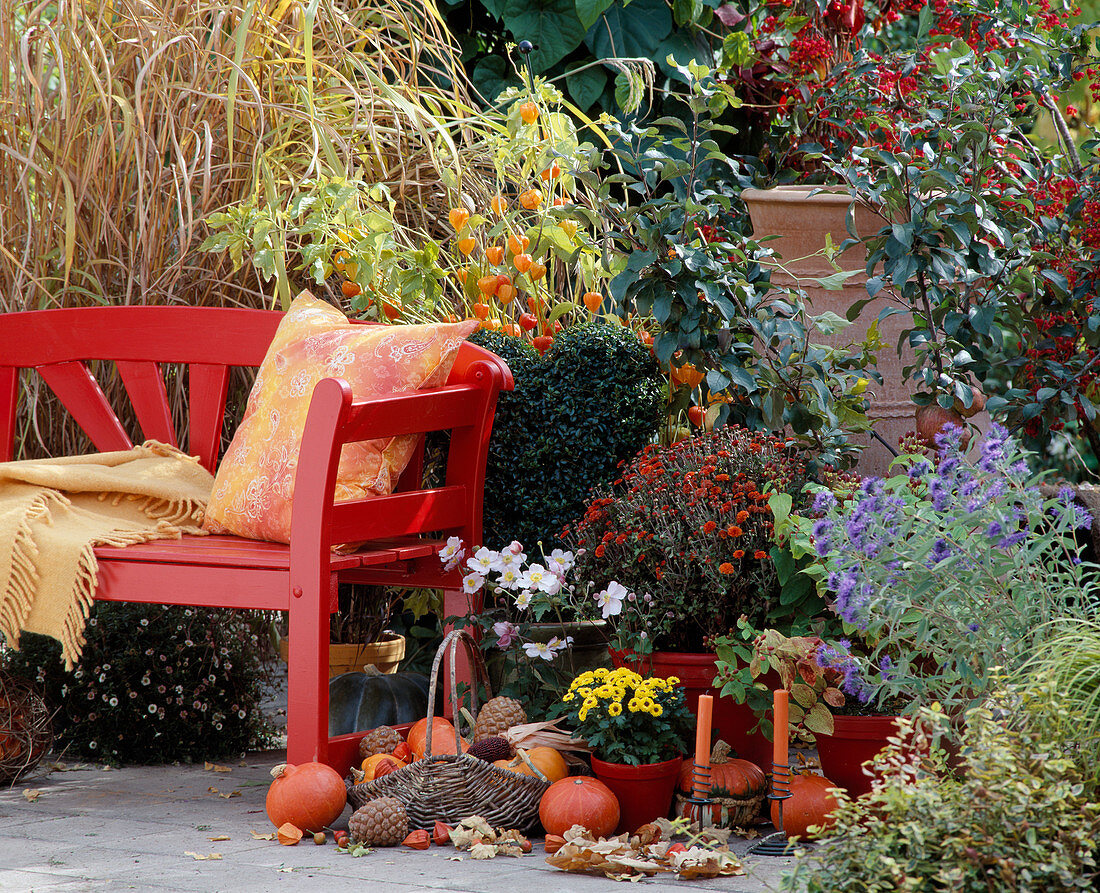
(593,400)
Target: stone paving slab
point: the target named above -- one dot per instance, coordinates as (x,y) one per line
(93,829)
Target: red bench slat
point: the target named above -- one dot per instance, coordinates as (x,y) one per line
(145,388)
(77,388)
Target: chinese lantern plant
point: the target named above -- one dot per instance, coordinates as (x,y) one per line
(309,796)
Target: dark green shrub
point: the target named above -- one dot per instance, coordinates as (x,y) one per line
(155,684)
(592,401)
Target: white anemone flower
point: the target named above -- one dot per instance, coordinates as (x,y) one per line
(472,583)
(560,563)
(611,599)
(482,561)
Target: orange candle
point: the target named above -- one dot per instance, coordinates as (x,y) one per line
(704,712)
(779,732)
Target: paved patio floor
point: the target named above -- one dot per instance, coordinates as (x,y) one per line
(190,828)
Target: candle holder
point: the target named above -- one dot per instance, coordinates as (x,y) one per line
(777,844)
(697,807)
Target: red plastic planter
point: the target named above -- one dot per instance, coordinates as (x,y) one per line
(855,740)
(644,792)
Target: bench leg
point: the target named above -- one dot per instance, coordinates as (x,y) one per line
(307,677)
(457,603)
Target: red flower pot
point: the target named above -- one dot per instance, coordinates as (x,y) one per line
(644,792)
(855,740)
(696,672)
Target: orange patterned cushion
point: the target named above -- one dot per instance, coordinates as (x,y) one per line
(254,486)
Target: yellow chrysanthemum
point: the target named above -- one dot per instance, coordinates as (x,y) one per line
(615,709)
(568,696)
(657,710)
(673,680)
(583,715)
(590,703)
(634,705)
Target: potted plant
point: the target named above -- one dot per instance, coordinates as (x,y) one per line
(681,547)
(358,633)
(638,730)
(916,165)
(942,574)
(538,627)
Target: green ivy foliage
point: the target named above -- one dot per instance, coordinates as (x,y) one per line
(155,684)
(591,402)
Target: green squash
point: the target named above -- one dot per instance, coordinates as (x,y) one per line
(361,701)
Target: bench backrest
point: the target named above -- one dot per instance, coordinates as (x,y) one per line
(210,341)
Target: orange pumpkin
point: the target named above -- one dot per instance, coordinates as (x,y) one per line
(810,803)
(728,778)
(547,760)
(443,737)
(373,764)
(310,796)
(579,801)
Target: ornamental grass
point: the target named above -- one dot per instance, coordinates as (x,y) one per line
(128,124)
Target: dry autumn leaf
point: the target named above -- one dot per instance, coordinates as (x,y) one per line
(203,857)
(219,837)
(31,794)
(256,835)
(216,768)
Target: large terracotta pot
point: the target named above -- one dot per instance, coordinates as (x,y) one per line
(801,222)
(855,740)
(644,792)
(731,721)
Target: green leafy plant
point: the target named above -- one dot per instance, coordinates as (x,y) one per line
(155,684)
(626,718)
(677,256)
(1014,817)
(554,440)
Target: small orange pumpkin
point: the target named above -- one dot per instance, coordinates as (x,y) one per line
(547,760)
(579,801)
(810,803)
(443,737)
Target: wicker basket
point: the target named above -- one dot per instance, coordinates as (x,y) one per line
(25,733)
(452,787)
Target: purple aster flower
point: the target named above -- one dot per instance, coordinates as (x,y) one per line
(886,667)
(940,493)
(824,501)
(974,626)
(995,530)
(823,537)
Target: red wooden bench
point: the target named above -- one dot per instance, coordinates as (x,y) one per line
(404,531)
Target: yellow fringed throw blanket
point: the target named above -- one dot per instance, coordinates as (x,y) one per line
(54,512)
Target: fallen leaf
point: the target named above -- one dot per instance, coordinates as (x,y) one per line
(203,858)
(208,766)
(31,794)
(456,858)
(219,837)
(214,790)
(285,870)
(256,835)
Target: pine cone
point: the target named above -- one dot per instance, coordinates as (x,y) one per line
(381,740)
(498,716)
(381,822)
